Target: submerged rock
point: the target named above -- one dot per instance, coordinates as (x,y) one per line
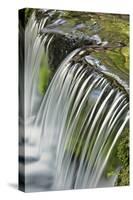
(72,30)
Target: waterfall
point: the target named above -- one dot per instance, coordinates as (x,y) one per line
(82,114)
(71,130)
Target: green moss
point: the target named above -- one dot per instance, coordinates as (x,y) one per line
(125,53)
(123,156)
(123,177)
(119,161)
(44,75)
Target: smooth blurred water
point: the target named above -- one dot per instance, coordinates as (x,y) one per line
(70,131)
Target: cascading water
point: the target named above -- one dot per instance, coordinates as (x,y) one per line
(71,131)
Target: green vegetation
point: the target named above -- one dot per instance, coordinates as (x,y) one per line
(123,156)
(44,75)
(119,161)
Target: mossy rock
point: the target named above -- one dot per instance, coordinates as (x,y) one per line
(123,156)
(119,161)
